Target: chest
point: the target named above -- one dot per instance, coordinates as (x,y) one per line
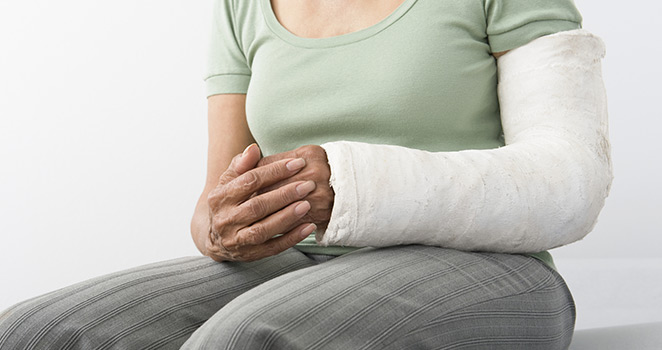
(422,77)
(328,18)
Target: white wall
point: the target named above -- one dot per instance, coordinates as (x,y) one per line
(633,75)
(102,136)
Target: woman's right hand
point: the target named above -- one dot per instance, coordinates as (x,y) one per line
(243,224)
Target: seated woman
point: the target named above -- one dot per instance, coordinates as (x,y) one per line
(404,200)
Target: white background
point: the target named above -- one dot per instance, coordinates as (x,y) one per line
(103,142)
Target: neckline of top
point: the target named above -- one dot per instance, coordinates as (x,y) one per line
(279,30)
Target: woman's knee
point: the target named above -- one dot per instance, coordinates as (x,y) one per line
(493,301)
(157,305)
(541,319)
(100,313)
(247,328)
(40,323)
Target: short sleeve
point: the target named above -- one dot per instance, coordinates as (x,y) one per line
(513,23)
(227,68)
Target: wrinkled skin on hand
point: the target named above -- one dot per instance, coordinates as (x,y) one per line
(317,169)
(245,218)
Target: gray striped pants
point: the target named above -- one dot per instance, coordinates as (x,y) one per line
(407,297)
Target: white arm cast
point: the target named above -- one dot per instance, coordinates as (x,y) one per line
(544,189)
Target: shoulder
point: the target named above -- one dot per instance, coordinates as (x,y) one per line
(513,23)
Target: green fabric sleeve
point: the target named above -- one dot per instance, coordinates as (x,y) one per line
(513,23)
(545,257)
(227,68)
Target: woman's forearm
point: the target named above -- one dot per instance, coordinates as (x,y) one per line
(200,223)
(544,189)
(228,136)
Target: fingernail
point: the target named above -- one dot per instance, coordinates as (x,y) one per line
(305,188)
(302,208)
(308,230)
(295,164)
(246,150)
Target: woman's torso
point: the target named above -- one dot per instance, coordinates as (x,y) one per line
(422,76)
(412,79)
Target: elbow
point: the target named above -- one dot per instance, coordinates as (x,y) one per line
(200,224)
(578,209)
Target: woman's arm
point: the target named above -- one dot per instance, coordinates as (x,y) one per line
(233,221)
(228,135)
(544,189)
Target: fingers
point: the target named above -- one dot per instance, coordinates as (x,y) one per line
(241,188)
(280,184)
(263,205)
(279,244)
(248,159)
(276,157)
(258,241)
(307,152)
(249,223)
(317,166)
(277,223)
(241,163)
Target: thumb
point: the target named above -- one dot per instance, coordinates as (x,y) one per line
(247,160)
(241,163)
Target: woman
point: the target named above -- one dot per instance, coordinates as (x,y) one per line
(382,127)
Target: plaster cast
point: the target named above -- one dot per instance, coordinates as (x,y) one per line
(544,189)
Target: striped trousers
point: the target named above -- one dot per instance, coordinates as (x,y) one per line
(407,297)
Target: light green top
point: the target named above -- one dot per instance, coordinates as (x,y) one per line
(423,77)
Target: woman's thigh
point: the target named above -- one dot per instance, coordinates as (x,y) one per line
(155,306)
(412,297)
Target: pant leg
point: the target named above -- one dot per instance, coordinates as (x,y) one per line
(410,297)
(155,306)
